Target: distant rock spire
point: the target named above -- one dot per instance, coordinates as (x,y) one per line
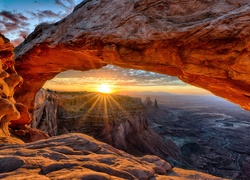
(148,102)
(156,104)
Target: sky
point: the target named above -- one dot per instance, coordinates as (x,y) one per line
(121,80)
(18,18)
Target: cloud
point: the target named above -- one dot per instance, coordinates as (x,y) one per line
(17,41)
(67,5)
(61,4)
(17,18)
(116,76)
(23,34)
(11,22)
(14,23)
(44,14)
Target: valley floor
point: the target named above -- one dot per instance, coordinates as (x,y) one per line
(212,134)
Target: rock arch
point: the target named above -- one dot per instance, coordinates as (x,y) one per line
(204,43)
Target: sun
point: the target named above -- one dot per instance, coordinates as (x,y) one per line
(104,88)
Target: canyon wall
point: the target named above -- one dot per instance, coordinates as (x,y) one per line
(117,120)
(126,127)
(204,43)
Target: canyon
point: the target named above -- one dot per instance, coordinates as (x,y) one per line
(212,135)
(69,156)
(203,43)
(201,133)
(114,119)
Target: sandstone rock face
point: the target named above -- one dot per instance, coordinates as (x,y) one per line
(25,116)
(45,115)
(9,80)
(78,156)
(204,43)
(117,120)
(12,114)
(27,134)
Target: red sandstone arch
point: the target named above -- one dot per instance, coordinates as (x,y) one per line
(204,43)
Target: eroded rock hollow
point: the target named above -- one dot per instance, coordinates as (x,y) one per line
(204,43)
(9,81)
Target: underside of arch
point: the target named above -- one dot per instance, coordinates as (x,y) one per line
(205,44)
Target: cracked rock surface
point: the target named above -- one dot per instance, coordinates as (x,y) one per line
(78,156)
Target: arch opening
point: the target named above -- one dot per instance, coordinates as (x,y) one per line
(205,49)
(121,81)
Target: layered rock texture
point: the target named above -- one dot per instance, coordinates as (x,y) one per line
(72,156)
(78,156)
(204,43)
(45,114)
(9,81)
(13,114)
(117,120)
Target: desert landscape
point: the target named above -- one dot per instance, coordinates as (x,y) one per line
(204,133)
(211,133)
(151,49)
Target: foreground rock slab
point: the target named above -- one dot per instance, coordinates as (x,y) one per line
(204,43)
(78,156)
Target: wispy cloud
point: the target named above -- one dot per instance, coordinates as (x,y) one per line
(17,23)
(17,18)
(61,4)
(13,22)
(66,5)
(23,34)
(116,76)
(17,41)
(44,14)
